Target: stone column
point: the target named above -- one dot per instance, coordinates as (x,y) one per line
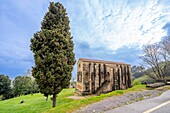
(114,79)
(90,77)
(125,76)
(120,74)
(99,75)
(82,77)
(111,78)
(104,70)
(129,77)
(94,71)
(130,74)
(96,77)
(118,77)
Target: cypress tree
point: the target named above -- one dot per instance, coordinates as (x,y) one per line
(53,52)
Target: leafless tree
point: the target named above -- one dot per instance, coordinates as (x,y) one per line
(165,45)
(155,58)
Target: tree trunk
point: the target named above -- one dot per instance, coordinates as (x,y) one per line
(54,100)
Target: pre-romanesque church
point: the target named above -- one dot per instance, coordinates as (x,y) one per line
(98,76)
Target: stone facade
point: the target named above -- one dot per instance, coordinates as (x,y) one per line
(97,76)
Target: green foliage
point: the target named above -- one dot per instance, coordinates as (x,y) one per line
(53,51)
(136,82)
(5,83)
(5,87)
(146,79)
(22,85)
(34,87)
(137,74)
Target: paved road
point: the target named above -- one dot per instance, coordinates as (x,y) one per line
(159,104)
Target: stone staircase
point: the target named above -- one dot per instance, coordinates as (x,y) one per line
(100,89)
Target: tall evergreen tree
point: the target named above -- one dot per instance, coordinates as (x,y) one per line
(53,52)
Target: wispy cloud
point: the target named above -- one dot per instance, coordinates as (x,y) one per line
(118,23)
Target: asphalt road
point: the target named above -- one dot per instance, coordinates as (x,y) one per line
(159,104)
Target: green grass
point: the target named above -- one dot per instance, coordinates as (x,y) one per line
(145,78)
(37,104)
(74,105)
(33,103)
(136,82)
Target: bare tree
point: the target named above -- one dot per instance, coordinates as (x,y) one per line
(155,57)
(165,45)
(137,69)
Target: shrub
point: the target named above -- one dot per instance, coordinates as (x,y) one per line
(136,82)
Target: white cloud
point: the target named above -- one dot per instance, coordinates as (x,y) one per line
(117,24)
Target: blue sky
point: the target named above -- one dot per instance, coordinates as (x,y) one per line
(112,30)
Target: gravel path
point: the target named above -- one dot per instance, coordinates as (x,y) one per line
(117,101)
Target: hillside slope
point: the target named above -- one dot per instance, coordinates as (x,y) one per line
(33,103)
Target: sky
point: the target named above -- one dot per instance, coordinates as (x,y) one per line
(113,30)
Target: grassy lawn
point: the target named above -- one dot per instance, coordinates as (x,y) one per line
(145,78)
(36,103)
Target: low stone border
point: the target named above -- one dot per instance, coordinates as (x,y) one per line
(155,85)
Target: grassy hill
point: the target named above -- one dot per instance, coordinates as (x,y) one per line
(33,103)
(37,104)
(145,78)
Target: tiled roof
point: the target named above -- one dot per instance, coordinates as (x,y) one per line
(101,61)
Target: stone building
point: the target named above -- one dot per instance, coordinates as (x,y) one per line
(98,76)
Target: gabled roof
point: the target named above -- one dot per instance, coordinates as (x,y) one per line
(101,61)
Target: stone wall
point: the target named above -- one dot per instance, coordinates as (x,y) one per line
(97,77)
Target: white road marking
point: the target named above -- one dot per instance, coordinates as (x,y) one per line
(157,107)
